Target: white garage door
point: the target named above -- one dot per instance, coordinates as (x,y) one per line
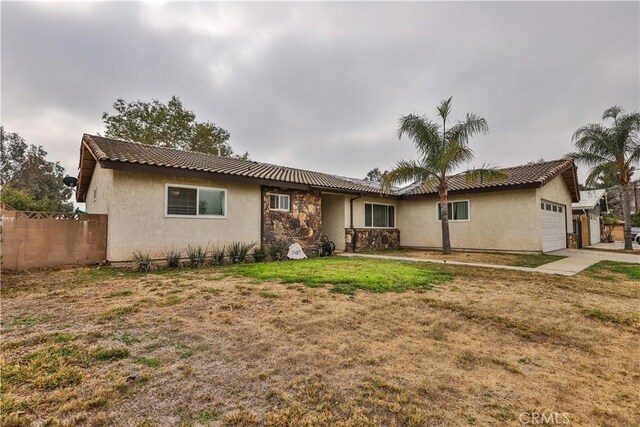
(554,234)
(594,229)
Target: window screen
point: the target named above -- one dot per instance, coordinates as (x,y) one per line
(381,216)
(181,201)
(456,211)
(279,202)
(195,201)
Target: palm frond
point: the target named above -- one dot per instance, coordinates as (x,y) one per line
(601,172)
(407,171)
(625,133)
(423,132)
(454,155)
(596,139)
(445,108)
(612,112)
(464,130)
(589,159)
(634,157)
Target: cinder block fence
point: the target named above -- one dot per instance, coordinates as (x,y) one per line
(50,239)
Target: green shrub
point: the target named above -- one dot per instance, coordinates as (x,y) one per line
(237,252)
(278,250)
(24,201)
(172,257)
(259,254)
(197,256)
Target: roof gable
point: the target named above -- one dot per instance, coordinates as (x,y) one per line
(532,175)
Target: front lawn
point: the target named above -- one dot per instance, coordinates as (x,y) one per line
(610,270)
(518,260)
(346,275)
(229,346)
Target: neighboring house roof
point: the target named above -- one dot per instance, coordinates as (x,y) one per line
(590,199)
(117,154)
(525,176)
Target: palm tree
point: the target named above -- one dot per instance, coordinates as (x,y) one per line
(441,151)
(608,150)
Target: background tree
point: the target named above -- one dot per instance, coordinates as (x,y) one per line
(441,151)
(28,178)
(612,151)
(166,125)
(375,175)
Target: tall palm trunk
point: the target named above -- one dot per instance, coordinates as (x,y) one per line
(626,213)
(444,216)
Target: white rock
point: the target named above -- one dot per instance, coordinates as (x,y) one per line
(296,252)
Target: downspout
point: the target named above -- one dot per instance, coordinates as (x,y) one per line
(353,239)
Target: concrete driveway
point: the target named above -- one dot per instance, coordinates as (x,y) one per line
(579,259)
(614,246)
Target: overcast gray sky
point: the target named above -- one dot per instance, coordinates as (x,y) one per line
(321,86)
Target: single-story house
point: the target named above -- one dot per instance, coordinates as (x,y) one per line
(159,198)
(587,215)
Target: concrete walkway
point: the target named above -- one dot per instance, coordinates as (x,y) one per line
(579,259)
(576,261)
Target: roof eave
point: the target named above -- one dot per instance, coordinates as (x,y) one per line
(192,173)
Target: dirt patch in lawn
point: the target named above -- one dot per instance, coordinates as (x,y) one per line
(196,347)
(519,260)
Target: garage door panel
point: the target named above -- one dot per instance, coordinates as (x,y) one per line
(594,229)
(553,225)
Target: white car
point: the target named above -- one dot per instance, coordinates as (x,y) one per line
(635,234)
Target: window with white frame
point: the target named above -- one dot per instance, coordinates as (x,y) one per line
(456,211)
(196,201)
(279,202)
(379,216)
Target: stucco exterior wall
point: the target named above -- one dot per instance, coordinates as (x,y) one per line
(100,190)
(137,219)
(333,219)
(358,209)
(556,191)
(505,220)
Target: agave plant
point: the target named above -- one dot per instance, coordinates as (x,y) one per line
(217,256)
(197,256)
(237,252)
(142,262)
(172,256)
(259,254)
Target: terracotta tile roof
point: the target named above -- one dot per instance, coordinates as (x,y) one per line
(113,150)
(530,175)
(124,152)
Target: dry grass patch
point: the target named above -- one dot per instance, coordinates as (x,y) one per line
(476,349)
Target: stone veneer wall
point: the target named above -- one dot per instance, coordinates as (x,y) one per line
(371,238)
(301,224)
